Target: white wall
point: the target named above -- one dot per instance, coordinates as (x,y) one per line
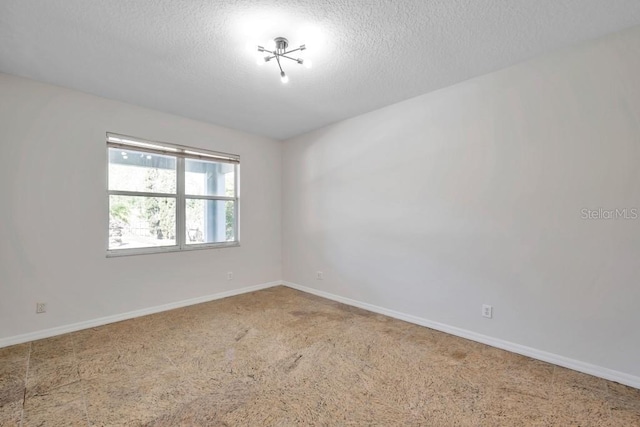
(473,194)
(53,214)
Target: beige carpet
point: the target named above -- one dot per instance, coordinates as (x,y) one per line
(281,357)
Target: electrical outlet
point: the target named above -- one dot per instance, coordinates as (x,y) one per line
(319,275)
(230,275)
(41,307)
(487,311)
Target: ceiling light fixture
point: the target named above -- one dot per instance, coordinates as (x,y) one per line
(280,51)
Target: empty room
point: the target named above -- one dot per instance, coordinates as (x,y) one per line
(323,213)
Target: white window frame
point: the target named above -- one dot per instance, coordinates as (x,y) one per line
(180,152)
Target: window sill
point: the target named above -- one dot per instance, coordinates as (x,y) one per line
(149,251)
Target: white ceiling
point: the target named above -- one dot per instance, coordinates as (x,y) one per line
(190,57)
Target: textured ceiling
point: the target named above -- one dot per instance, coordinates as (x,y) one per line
(190,57)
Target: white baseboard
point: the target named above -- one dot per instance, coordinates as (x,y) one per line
(576,365)
(59,330)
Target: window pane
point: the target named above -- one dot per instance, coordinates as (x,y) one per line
(141,222)
(209,221)
(131,170)
(203,178)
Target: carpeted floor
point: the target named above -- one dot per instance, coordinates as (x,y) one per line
(281,357)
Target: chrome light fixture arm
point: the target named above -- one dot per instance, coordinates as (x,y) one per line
(279,65)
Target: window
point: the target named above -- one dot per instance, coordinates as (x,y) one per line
(165,197)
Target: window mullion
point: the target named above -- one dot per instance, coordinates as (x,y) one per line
(236,208)
(180,204)
(140,194)
(199,197)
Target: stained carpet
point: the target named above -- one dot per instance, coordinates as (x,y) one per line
(280,357)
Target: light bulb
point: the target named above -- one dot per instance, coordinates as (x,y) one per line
(260,60)
(283,77)
(307,63)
